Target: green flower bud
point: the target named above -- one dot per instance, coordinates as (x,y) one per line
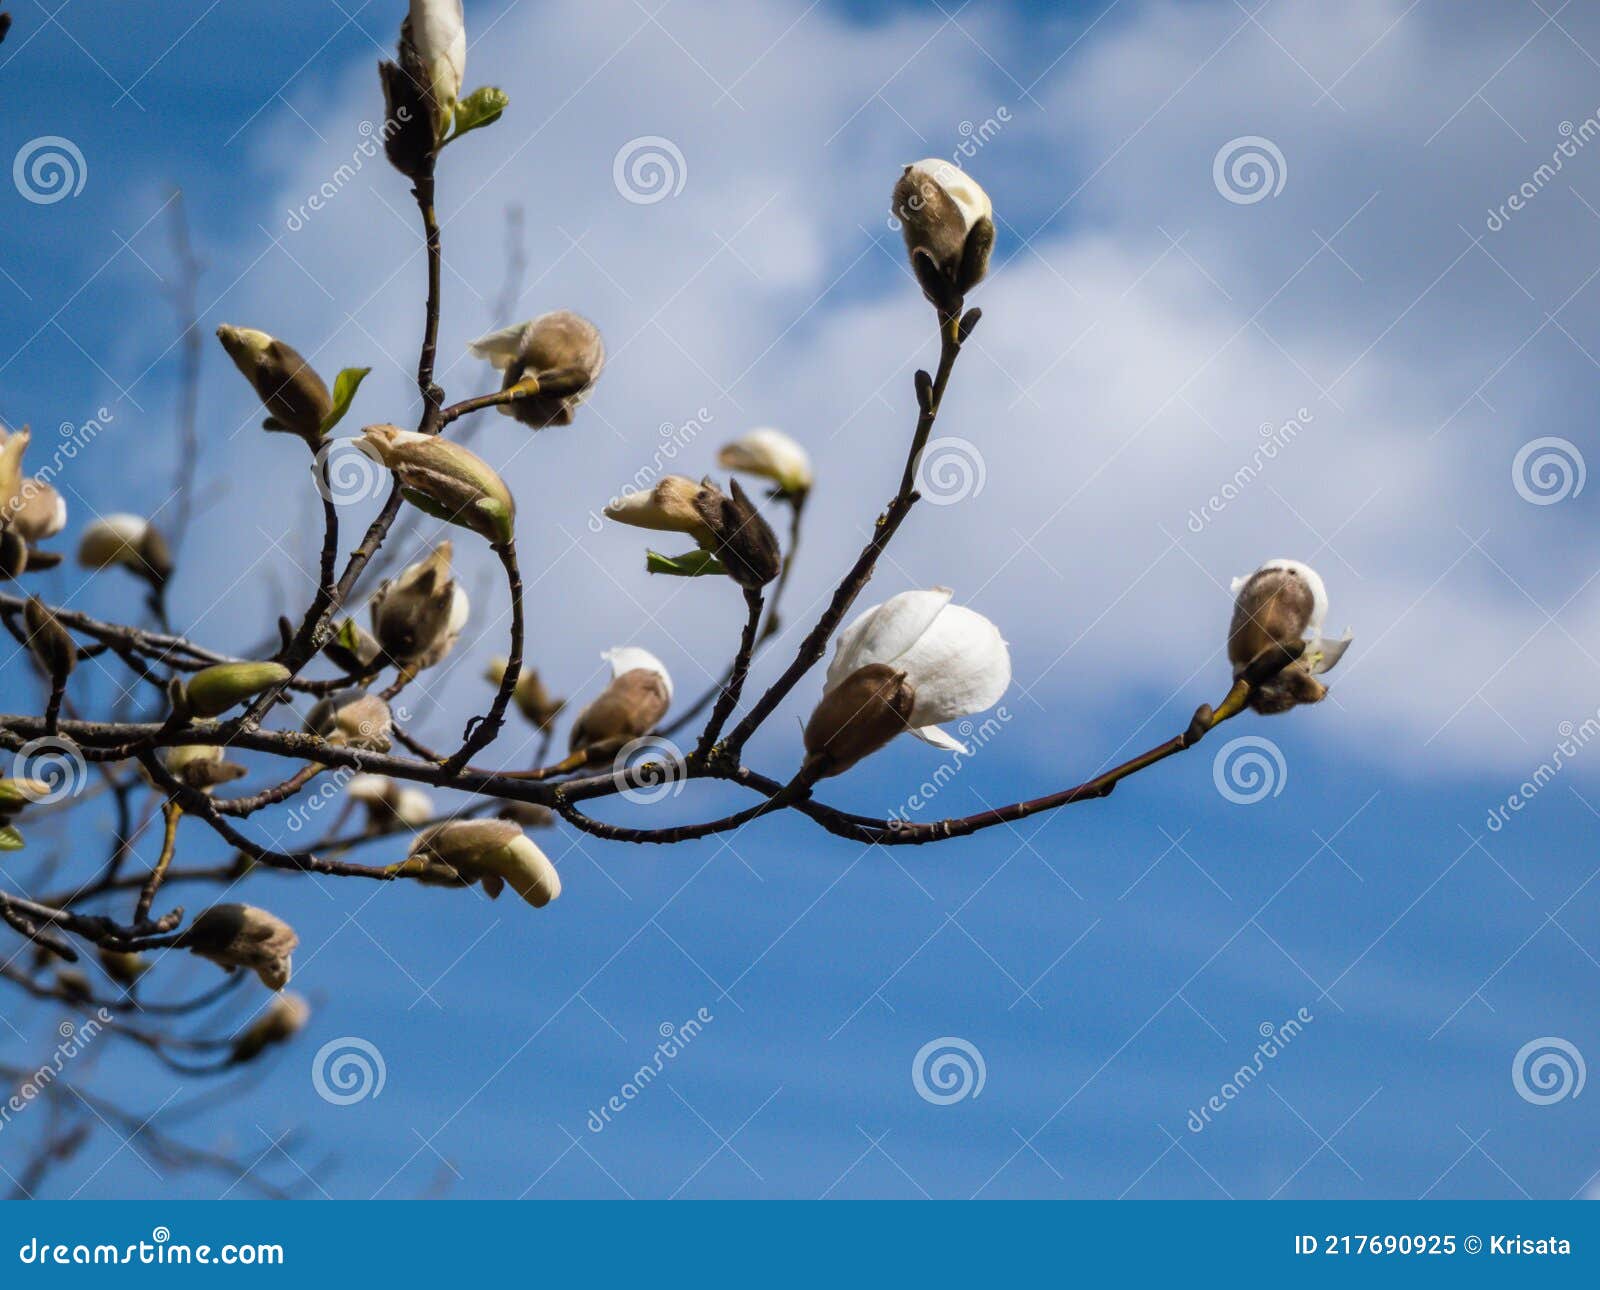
(444,480)
(214,690)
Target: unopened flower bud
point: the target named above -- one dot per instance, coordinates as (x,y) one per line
(16,793)
(73,985)
(13,444)
(390,807)
(352,647)
(627,709)
(49,642)
(283,1019)
(130,541)
(27,504)
(444,480)
(13,553)
(123,967)
(242,936)
(948,226)
(558,354)
(410,134)
(437,31)
(772,455)
(418,616)
(740,537)
(202,766)
(494,852)
(213,690)
(530,695)
(858,716)
(295,397)
(1280,610)
(667,506)
(352,720)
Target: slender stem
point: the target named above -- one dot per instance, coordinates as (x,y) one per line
(523,388)
(729,698)
(481,731)
(169,844)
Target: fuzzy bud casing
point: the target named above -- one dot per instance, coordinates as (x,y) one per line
(858,716)
(213,690)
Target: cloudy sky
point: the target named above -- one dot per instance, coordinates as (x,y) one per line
(1270,280)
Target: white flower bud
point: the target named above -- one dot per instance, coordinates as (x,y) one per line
(629,708)
(126,540)
(948,226)
(1281,605)
(772,455)
(439,35)
(495,853)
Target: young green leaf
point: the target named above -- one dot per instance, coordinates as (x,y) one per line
(345,386)
(10,838)
(482,107)
(692,564)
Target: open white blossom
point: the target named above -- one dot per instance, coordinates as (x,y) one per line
(954,657)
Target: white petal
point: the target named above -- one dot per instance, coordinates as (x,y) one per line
(499,347)
(939,738)
(625,658)
(962,188)
(1322,654)
(959,666)
(885,632)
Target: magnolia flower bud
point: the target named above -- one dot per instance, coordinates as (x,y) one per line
(560,353)
(437,30)
(213,690)
(352,720)
(1282,606)
(352,647)
(858,716)
(73,985)
(284,1018)
(669,506)
(202,766)
(627,709)
(12,446)
(15,793)
(530,696)
(740,537)
(128,540)
(494,852)
(13,553)
(948,226)
(954,658)
(410,132)
(29,505)
(772,455)
(418,616)
(444,480)
(123,967)
(390,807)
(242,936)
(291,391)
(48,641)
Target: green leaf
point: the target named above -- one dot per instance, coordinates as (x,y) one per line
(10,838)
(345,386)
(692,564)
(482,107)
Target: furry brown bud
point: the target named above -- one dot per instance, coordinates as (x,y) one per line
(352,720)
(284,1018)
(242,936)
(48,641)
(495,853)
(740,538)
(857,717)
(294,395)
(202,766)
(948,225)
(418,616)
(558,356)
(627,709)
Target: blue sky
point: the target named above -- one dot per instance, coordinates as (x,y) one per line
(1113,963)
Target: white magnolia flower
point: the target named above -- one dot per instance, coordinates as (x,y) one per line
(390,805)
(626,658)
(439,34)
(1282,578)
(952,656)
(948,225)
(772,455)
